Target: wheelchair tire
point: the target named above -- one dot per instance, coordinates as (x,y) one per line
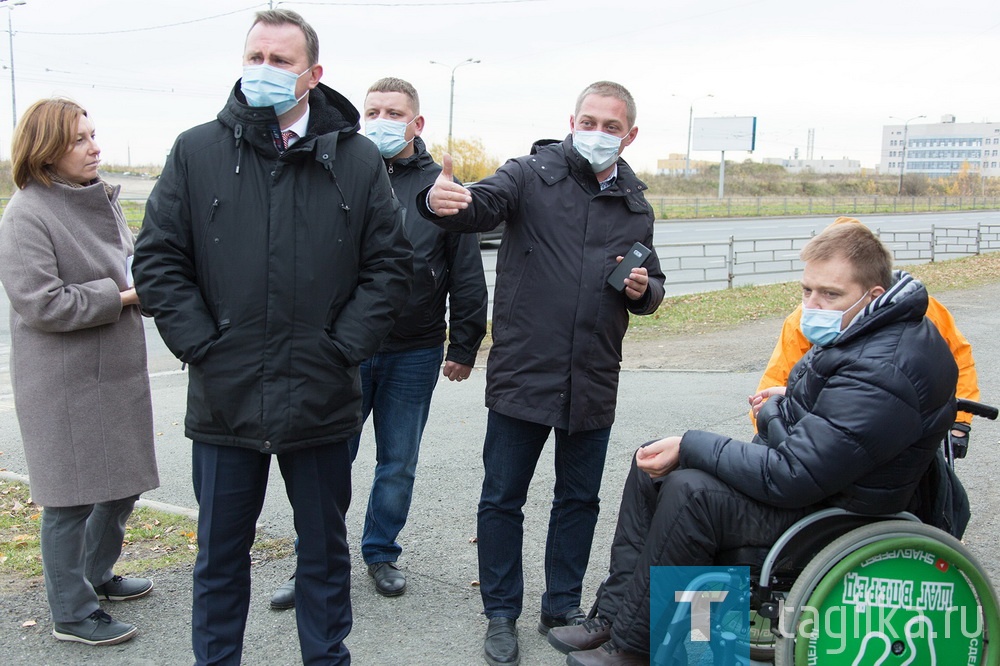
(761,638)
(943,575)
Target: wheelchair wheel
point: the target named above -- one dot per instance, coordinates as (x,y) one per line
(761,638)
(894,592)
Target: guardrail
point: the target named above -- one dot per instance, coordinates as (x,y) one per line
(728,263)
(678,208)
(686,208)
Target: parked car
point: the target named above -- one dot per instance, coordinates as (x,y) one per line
(491,236)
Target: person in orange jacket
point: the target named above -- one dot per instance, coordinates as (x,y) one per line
(792,345)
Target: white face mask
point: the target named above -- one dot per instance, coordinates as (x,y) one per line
(598,148)
(388,135)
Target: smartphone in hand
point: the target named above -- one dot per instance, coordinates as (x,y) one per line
(634,257)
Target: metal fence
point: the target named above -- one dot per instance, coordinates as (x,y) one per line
(674,208)
(695,266)
(686,208)
(741,261)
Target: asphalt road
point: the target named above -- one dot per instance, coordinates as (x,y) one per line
(438,621)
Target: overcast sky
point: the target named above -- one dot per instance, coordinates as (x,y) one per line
(841,68)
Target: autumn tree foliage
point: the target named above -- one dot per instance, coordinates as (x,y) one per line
(470,159)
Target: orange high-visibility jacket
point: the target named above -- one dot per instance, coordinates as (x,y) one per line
(792,346)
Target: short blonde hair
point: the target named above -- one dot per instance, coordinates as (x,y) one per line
(610,89)
(44,134)
(868,256)
(391,84)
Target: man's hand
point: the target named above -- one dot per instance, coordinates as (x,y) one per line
(456,372)
(757,399)
(446,196)
(659,458)
(636,282)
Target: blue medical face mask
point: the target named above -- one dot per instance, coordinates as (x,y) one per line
(822,327)
(388,135)
(598,148)
(264,85)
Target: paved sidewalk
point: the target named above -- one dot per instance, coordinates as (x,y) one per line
(438,622)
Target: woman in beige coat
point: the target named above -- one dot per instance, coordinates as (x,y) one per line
(78,366)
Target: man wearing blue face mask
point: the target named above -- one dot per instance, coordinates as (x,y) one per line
(572,208)
(398,381)
(793,342)
(860,422)
(274,261)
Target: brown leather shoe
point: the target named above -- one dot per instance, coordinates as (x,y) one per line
(608,654)
(587,636)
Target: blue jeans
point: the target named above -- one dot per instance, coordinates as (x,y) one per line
(397,388)
(510,454)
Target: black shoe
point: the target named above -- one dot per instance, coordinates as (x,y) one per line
(389,580)
(123,589)
(284,597)
(608,654)
(98,628)
(591,634)
(569,618)
(500,647)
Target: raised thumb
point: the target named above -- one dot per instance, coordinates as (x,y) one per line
(447,171)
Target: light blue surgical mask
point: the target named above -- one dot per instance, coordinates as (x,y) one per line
(822,327)
(264,85)
(598,148)
(388,135)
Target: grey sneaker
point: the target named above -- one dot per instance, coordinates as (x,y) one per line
(98,628)
(123,589)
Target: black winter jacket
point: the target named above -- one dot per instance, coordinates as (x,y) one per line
(447,273)
(557,324)
(273,274)
(864,416)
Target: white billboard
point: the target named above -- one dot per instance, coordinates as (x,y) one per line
(721,134)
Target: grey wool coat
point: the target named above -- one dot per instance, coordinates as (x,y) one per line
(78,359)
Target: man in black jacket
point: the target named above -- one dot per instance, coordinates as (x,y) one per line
(572,210)
(274,261)
(856,427)
(398,381)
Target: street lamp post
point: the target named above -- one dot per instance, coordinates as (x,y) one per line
(9,6)
(451,98)
(687,159)
(902,161)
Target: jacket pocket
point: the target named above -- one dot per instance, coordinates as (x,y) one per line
(508,296)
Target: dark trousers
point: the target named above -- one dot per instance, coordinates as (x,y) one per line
(510,453)
(229,483)
(80,546)
(682,519)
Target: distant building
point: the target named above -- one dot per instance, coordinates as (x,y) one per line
(674,165)
(817,166)
(939,149)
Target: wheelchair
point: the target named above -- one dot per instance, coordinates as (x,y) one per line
(858,590)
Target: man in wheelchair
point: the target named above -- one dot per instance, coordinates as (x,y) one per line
(856,427)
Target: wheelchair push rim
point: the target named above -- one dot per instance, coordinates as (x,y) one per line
(894,594)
